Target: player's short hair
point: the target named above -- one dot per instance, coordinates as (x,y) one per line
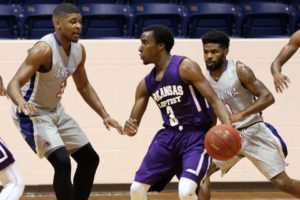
(64,9)
(217,37)
(162,34)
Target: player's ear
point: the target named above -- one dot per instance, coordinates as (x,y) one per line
(161,46)
(56,22)
(226,51)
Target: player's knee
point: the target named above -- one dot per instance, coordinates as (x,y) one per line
(92,159)
(60,160)
(20,185)
(63,163)
(87,156)
(138,191)
(13,184)
(187,189)
(17,187)
(12,190)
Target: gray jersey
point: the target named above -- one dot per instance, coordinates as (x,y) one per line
(44,90)
(234,95)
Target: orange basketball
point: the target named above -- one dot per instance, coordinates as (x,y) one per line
(222,142)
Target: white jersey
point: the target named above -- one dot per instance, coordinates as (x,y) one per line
(44,90)
(234,95)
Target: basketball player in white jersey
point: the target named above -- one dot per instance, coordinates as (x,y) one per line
(36,91)
(12,182)
(281,81)
(246,97)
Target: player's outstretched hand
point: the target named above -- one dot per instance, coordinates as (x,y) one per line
(131,127)
(110,122)
(281,82)
(27,108)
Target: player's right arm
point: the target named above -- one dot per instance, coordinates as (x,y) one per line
(138,109)
(263,96)
(191,73)
(280,80)
(40,55)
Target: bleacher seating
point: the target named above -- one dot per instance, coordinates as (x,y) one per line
(207,1)
(104,20)
(259,1)
(9,27)
(79,2)
(295,8)
(31,19)
(42,1)
(264,19)
(144,14)
(202,17)
(151,1)
(7,1)
(37,20)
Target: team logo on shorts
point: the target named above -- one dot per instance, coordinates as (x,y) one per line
(46,143)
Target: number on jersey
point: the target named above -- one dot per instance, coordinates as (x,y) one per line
(61,89)
(173,120)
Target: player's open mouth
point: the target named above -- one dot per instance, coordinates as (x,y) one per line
(76,34)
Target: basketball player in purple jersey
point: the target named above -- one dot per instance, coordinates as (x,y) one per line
(36,91)
(245,98)
(10,178)
(280,80)
(187,104)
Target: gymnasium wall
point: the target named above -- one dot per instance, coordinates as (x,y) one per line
(114,69)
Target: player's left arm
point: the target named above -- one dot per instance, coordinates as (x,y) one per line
(191,73)
(90,96)
(280,80)
(257,88)
(286,53)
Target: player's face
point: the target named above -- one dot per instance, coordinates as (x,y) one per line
(70,26)
(149,49)
(214,56)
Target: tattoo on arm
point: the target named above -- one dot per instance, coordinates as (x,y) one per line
(249,80)
(245,74)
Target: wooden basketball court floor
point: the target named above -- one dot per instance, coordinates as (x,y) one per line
(261,195)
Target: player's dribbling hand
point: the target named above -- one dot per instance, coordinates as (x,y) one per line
(27,108)
(281,82)
(131,127)
(110,122)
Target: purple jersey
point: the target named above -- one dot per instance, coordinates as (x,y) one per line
(179,103)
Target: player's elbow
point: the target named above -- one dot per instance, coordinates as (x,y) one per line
(269,99)
(82,89)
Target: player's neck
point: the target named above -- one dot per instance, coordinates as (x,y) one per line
(66,45)
(163,63)
(217,73)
